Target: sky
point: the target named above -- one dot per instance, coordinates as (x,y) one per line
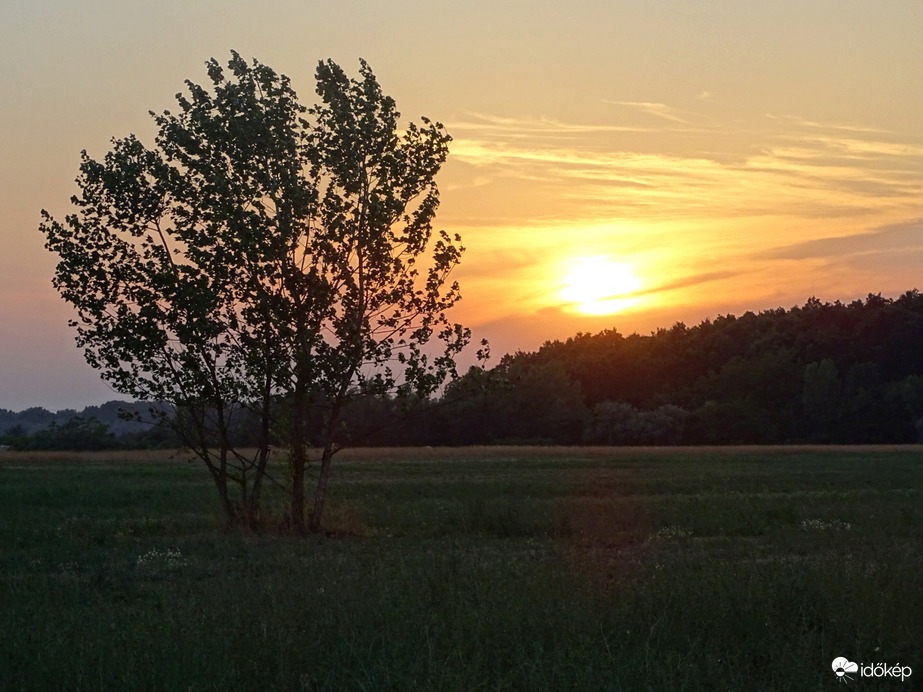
(620,164)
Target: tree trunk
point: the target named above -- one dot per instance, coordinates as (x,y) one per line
(296,517)
(253,509)
(299,453)
(220,475)
(321,490)
(230,514)
(196,441)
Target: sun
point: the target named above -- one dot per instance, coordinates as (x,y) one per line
(599,286)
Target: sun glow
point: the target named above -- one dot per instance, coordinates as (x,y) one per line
(598,286)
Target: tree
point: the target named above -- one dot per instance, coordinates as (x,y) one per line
(264,259)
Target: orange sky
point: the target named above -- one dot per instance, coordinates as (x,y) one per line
(728,155)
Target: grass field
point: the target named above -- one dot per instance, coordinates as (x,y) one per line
(471,569)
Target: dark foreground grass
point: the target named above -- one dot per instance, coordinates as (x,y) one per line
(507,569)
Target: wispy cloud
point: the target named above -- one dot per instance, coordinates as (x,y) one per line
(797,120)
(802,170)
(689,281)
(904,237)
(518,128)
(658,110)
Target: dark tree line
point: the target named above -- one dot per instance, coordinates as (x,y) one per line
(113,425)
(820,373)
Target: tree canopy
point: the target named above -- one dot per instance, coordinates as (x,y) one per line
(264,258)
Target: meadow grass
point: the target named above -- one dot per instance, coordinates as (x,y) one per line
(471,569)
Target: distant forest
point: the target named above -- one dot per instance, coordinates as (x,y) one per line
(821,373)
(116,424)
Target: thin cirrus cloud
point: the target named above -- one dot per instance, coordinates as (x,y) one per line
(658,110)
(895,238)
(691,280)
(520,128)
(799,121)
(801,170)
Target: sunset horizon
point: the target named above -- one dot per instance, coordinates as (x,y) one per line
(615,166)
